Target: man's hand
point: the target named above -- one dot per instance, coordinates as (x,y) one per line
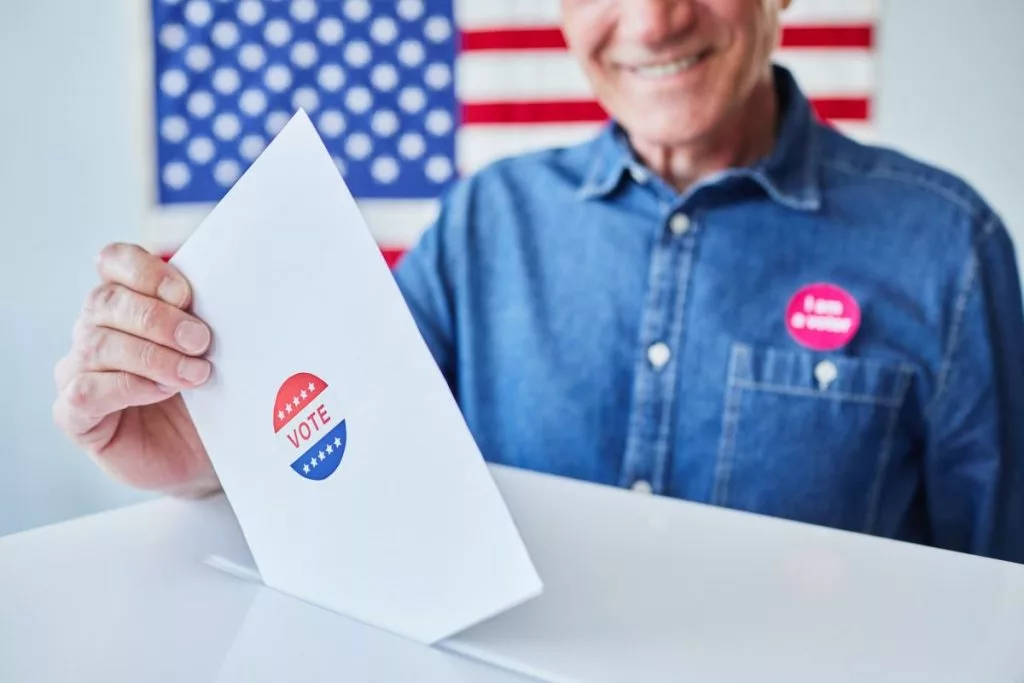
(134,348)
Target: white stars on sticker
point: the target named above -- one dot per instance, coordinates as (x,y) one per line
(280,415)
(288,408)
(303,394)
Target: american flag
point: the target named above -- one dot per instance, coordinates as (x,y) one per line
(408,95)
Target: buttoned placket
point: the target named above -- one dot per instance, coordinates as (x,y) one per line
(648,455)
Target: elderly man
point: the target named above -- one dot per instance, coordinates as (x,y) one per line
(717,299)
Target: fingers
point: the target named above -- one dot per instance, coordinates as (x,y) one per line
(101,349)
(91,396)
(135,268)
(117,307)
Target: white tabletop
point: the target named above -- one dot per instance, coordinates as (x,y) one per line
(637,588)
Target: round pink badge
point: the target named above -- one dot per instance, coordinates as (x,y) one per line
(823,317)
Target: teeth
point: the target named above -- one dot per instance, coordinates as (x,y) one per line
(668,68)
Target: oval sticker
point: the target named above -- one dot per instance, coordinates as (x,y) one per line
(823,317)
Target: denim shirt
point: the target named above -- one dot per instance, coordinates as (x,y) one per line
(594,323)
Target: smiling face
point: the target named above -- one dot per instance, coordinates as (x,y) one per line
(672,72)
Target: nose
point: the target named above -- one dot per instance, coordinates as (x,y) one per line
(652,22)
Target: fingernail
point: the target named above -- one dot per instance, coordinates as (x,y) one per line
(173,291)
(167,389)
(193,370)
(192,336)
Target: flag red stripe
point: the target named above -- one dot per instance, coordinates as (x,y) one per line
(840,36)
(842,108)
(555,111)
(391,255)
(551,38)
(589,111)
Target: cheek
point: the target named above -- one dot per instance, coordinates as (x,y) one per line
(587,26)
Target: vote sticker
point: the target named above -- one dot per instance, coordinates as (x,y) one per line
(823,317)
(309,426)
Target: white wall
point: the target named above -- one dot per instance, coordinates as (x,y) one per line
(952,92)
(72,179)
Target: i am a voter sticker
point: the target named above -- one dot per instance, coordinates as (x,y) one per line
(823,317)
(309,426)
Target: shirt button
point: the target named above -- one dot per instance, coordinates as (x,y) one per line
(659,354)
(825,372)
(680,224)
(642,486)
(639,174)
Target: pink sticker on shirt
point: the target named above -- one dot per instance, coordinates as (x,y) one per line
(823,317)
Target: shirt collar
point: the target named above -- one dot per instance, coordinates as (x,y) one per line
(789,174)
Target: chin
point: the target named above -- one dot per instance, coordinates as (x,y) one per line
(668,126)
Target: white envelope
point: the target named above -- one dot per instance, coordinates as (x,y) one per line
(341,450)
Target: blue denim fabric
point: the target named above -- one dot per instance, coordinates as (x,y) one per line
(547,278)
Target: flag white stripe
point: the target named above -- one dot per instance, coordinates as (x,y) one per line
(804,12)
(478,146)
(397,223)
(545,75)
(482,14)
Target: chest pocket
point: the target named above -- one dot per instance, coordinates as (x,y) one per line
(807,436)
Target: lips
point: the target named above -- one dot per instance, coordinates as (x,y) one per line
(666,69)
